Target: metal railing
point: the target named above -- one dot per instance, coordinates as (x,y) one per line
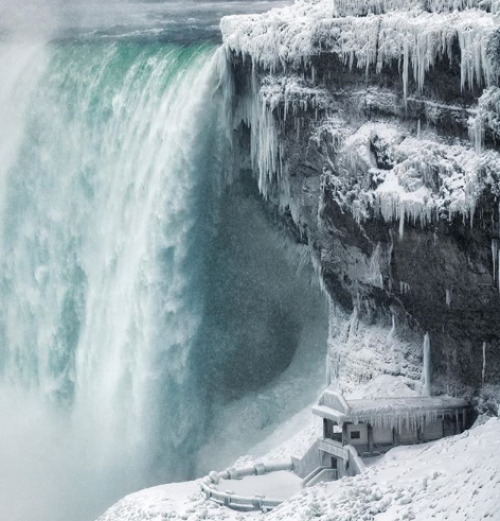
(324,474)
(208,486)
(348,454)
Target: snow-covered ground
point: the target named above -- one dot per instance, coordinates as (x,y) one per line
(454,479)
(280,485)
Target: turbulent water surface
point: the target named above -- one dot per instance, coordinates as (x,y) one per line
(134,314)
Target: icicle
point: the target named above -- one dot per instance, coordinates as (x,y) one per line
(498,264)
(401,220)
(426,373)
(353,323)
(484,364)
(406,65)
(448,297)
(494,254)
(419,129)
(404,288)
(390,336)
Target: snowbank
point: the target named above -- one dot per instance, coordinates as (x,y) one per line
(454,478)
(281,484)
(180,501)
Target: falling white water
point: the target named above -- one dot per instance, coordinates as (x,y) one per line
(140,300)
(21,66)
(109,156)
(426,373)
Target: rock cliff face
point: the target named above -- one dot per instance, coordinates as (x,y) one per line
(373,127)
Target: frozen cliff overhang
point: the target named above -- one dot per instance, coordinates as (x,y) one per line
(413,38)
(307,56)
(373,126)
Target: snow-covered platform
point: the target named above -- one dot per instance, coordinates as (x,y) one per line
(261,486)
(282,484)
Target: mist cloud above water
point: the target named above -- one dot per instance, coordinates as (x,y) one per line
(35,19)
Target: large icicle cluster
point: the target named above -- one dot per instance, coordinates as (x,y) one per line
(293,95)
(265,110)
(413,39)
(366,7)
(403,413)
(379,170)
(418,42)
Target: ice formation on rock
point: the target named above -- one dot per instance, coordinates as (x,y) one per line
(404,287)
(426,374)
(485,123)
(431,178)
(366,7)
(494,255)
(427,179)
(392,108)
(416,40)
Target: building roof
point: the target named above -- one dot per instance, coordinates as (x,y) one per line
(333,406)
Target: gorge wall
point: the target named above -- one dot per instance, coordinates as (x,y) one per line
(373,127)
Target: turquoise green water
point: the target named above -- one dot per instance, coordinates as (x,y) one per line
(110,180)
(152,321)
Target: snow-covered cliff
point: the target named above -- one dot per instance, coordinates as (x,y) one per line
(373,126)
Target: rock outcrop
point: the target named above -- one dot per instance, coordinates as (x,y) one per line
(373,126)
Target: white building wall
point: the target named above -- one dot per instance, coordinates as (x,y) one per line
(362,428)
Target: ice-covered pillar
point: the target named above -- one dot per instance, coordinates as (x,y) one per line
(483,372)
(426,372)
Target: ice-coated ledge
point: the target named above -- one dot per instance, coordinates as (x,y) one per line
(366,7)
(422,179)
(415,40)
(428,177)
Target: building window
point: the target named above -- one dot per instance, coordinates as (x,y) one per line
(355,435)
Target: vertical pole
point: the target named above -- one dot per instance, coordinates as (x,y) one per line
(345,441)
(395,437)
